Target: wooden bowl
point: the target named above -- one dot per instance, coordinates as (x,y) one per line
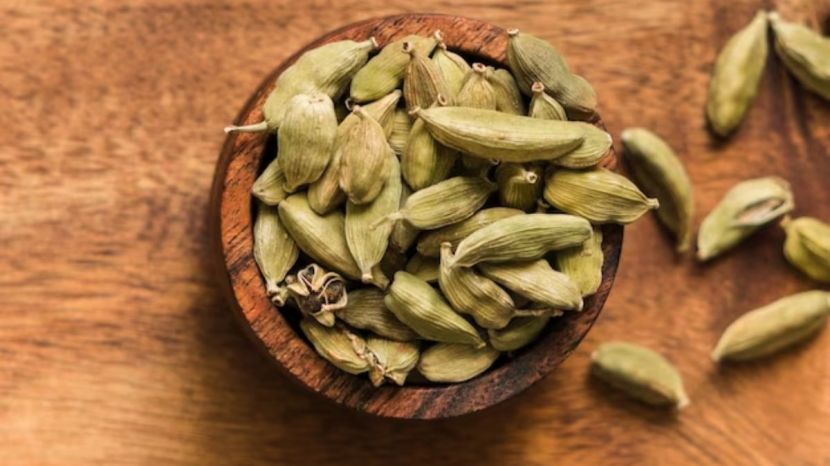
(232,232)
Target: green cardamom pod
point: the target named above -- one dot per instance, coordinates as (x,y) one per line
(269,187)
(537,281)
(365,310)
(595,147)
(306,139)
(599,195)
(640,373)
(583,264)
(401,126)
(403,233)
(317,293)
(520,332)
(429,245)
(274,251)
(385,71)
(420,307)
(736,75)
(425,162)
(804,52)
(476,91)
(470,293)
(364,159)
(807,247)
(745,208)
(392,360)
(423,82)
(774,327)
(452,67)
(519,185)
(341,348)
(543,106)
(383,111)
(489,134)
(521,238)
(661,175)
(508,96)
(451,363)
(426,268)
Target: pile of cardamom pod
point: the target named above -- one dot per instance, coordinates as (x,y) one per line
(445,212)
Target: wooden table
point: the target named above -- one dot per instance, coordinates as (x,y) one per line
(116,347)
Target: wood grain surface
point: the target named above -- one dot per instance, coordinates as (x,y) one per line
(117,348)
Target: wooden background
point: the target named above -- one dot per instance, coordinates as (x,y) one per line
(116,347)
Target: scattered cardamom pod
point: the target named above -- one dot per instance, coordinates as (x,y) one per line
(341,348)
(774,327)
(508,96)
(661,175)
(449,363)
(424,161)
(520,332)
(403,233)
(429,244)
(269,187)
(583,264)
(306,139)
(807,247)
(401,126)
(804,52)
(423,82)
(452,67)
(476,91)
(392,360)
(599,195)
(537,281)
(317,293)
(594,147)
(365,310)
(520,185)
(420,307)
(745,208)
(543,106)
(639,372)
(274,251)
(425,268)
(364,163)
(385,71)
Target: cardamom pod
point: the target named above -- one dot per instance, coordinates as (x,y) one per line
(424,161)
(450,363)
(639,372)
(306,139)
(423,82)
(385,71)
(804,52)
(599,195)
(520,332)
(341,348)
(269,187)
(807,247)
(543,106)
(508,96)
(452,67)
(476,91)
(364,159)
(365,310)
(383,111)
(537,281)
(392,360)
(403,233)
(532,59)
(274,251)
(429,244)
(426,268)
(318,293)
(489,134)
(774,327)
(519,185)
(470,293)
(594,147)
(523,237)
(401,126)
(583,264)
(745,208)
(368,244)
(661,175)
(420,307)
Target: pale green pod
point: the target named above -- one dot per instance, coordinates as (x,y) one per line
(445,203)
(520,332)
(424,161)
(537,281)
(365,310)
(744,209)
(599,195)
(364,160)
(341,348)
(401,126)
(427,269)
(452,67)
(385,71)
(521,238)
(640,373)
(403,233)
(452,363)
(543,106)
(306,139)
(489,134)
(391,360)
(470,293)
(420,307)
(594,147)
(274,250)
(583,264)
(269,187)
(805,52)
(423,83)
(660,174)
(508,96)
(520,185)
(807,247)
(774,327)
(429,244)
(476,91)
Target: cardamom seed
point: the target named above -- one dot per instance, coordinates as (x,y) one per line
(429,245)
(425,162)
(639,372)
(274,251)
(365,310)
(735,77)
(476,91)
(543,106)
(401,126)
(306,139)
(508,96)
(599,195)
(583,264)
(420,307)
(661,175)
(804,52)
(537,281)
(403,233)
(269,187)
(519,185)
(425,268)
(807,247)
(520,332)
(595,147)
(385,71)
(450,363)
(452,67)
(318,293)
(423,82)
(774,327)
(341,348)
(364,159)
(392,360)
(745,208)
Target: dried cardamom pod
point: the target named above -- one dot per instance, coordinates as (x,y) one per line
(532,59)
(807,247)
(745,208)
(599,195)
(364,159)
(401,126)
(429,244)
(365,310)
(426,268)
(326,69)
(423,82)
(804,52)
(385,71)
(343,349)
(424,161)
(523,237)
(774,327)
(520,185)
(452,67)
(306,139)
(274,251)
(594,148)
(269,187)
(476,91)
(639,372)
(470,293)
(403,233)
(318,293)
(583,264)
(537,281)
(368,244)
(543,106)
(520,332)
(450,363)
(420,307)
(661,175)
(508,96)
(489,134)
(392,360)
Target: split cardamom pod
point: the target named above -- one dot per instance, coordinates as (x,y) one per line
(306,139)
(476,91)
(452,67)
(449,363)
(274,251)
(583,264)
(520,332)
(537,281)
(508,96)
(519,185)
(426,268)
(385,71)
(343,349)
(423,82)
(392,360)
(269,187)
(403,233)
(365,310)
(364,159)
(807,247)
(429,244)
(317,293)
(804,52)
(401,126)
(424,161)
(543,106)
